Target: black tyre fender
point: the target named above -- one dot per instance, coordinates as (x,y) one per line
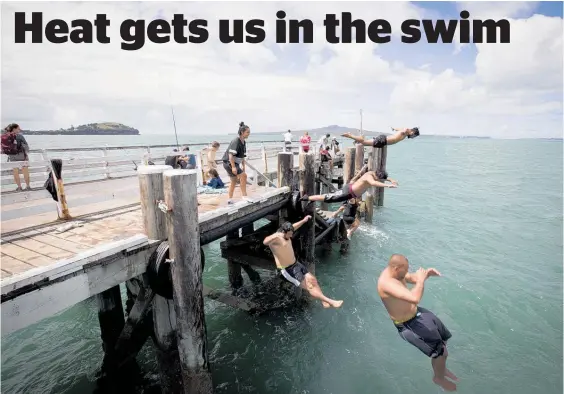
(296,204)
(158,270)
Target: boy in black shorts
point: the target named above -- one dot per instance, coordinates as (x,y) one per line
(384,140)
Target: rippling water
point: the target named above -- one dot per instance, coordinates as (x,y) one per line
(486,213)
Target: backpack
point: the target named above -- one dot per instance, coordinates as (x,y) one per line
(9,144)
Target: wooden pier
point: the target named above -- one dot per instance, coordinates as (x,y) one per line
(149,238)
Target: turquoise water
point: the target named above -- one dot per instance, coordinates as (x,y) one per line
(486,213)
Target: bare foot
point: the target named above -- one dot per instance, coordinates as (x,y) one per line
(447,385)
(325,304)
(450,375)
(337,304)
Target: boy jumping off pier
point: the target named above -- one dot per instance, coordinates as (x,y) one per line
(356,187)
(384,140)
(416,325)
(290,268)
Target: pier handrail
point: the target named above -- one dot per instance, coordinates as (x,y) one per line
(79,168)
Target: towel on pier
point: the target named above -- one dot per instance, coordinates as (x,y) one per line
(210,190)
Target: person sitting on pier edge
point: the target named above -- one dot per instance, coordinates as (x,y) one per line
(356,187)
(383,140)
(215,181)
(350,215)
(233,159)
(280,243)
(418,326)
(185,161)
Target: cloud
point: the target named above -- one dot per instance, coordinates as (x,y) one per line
(515,90)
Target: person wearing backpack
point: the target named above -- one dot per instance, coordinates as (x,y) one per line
(16,148)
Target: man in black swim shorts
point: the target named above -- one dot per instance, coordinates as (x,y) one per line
(384,140)
(416,325)
(290,268)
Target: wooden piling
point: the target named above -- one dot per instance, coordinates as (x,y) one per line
(325,172)
(151,188)
(358,158)
(372,156)
(285,177)
(285,166)
(112,320)
(166,347)
(254,276)
(381,165)
(234,268)
(348,167)
(264,158)
(135,331)
(180,188)
(307,232)
(151,192)
(62,206)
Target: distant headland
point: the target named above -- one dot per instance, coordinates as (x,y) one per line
(106,128)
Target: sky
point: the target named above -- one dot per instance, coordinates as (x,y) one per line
(500,90)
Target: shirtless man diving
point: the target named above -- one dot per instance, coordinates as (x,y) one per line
(291,269)
(383,140)
(416,325)
(356,187)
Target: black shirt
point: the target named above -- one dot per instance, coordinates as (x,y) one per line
(238,149)
(350,209)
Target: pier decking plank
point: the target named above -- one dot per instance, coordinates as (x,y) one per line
(64,244)
(25,255)
(11,266)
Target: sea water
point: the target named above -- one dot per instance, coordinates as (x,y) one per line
(486,213)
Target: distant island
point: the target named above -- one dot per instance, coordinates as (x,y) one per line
(106,128)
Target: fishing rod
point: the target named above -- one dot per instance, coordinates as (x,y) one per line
(173,121)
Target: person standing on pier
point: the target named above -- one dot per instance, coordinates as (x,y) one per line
(16,148)
(416,325)
(211,155)
(288,141)
(305,140)
(290,268)
(234,162)
(384,140)
(323,142)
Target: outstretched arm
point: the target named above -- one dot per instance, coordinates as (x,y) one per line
(338,211)
(392,181)
(299,224)
(376,183)
(404,131)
